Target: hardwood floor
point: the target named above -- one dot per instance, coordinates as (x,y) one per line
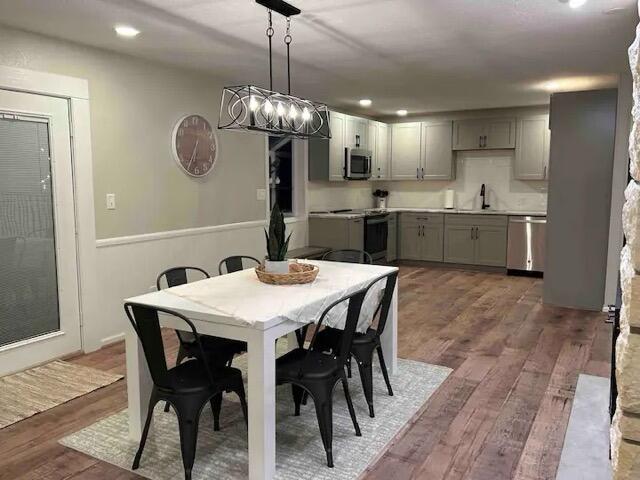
(502,413)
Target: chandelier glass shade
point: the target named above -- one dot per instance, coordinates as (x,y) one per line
(247,107)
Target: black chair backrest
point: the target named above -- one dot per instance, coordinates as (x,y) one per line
(355,300)
(235,263)
(178,276)
(385,302)
(146,324)
(348,256)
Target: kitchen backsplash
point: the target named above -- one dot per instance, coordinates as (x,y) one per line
(493,168)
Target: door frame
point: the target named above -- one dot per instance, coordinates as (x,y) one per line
(76,92)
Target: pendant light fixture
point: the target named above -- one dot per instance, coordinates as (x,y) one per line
(248,107)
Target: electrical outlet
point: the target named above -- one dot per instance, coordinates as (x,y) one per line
(261,194)
(111,201)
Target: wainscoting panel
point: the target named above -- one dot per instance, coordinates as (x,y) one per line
(128,266)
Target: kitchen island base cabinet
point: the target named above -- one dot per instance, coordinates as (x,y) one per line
(421,236)
(476,240)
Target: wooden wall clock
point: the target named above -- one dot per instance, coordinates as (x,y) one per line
(195,145)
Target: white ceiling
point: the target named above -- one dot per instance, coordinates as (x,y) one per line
(422,55)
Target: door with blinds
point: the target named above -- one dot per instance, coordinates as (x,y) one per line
(39,303)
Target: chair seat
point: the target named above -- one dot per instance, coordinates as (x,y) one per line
(191,376)
(220,350)
(329,338)
(317,365)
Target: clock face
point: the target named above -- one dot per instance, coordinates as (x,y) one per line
(195,145)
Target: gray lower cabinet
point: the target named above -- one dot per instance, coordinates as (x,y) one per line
(491,246)
(476,239)
(459,244)
(336,233)
(421,236)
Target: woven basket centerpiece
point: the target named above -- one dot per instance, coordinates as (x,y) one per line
(299,273)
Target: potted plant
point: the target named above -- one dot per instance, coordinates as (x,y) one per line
(277,244)
(381,196)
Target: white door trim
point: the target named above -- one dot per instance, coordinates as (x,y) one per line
(76,90)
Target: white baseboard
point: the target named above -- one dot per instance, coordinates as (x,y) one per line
(112,339)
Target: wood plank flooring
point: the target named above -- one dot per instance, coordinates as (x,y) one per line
(502,413)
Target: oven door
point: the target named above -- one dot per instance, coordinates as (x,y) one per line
(375,236)
(358,163)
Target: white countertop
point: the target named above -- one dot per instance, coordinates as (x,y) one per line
(349,215)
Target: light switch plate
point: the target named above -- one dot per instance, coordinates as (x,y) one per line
(111,201)
(261,194)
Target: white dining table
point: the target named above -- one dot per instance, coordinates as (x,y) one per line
(240,307)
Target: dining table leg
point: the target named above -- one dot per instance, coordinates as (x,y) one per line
(262,405)
(139,384)
(389,338)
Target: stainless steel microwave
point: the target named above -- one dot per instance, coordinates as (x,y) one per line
(357,163)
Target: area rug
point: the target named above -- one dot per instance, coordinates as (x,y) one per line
(300,456)
(24,394)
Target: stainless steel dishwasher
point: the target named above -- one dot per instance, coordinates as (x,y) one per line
(526,244)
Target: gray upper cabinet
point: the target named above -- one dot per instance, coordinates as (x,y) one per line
(336,147)
(500,133)
(483,134)
(380,142)
(326,156)
(437,161)
(467,134)
(405,151)
(357,132)
(532,148)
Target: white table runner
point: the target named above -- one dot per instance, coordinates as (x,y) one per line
(242,296)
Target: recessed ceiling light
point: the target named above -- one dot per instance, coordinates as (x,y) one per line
(402,113)
(577,3)
(126,31)
(365,102)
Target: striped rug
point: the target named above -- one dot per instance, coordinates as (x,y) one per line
(38,389)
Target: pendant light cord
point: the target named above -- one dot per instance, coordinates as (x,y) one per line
(287,41)
(269,35)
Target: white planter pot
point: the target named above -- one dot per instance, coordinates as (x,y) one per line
(276,267)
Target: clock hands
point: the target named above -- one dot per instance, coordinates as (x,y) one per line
(193,155)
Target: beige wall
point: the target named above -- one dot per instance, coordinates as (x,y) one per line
(134,106)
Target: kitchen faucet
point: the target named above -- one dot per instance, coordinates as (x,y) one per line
(483,194)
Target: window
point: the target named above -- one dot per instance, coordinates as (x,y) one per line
(281,178)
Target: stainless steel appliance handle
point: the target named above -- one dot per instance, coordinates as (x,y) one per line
(377,220)
(541,220)
(347,162)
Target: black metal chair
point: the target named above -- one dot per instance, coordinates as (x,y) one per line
(364,345)
(235,263)
(349,256)
(188,387)
(316,373)
(220,351)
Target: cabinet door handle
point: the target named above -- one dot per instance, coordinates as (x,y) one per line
(476,233)
(544,173)
(422,173)
(423,230)
(417,173)
(480,141)
(471,233)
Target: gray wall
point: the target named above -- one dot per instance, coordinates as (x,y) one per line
(134,106)
(583,128)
